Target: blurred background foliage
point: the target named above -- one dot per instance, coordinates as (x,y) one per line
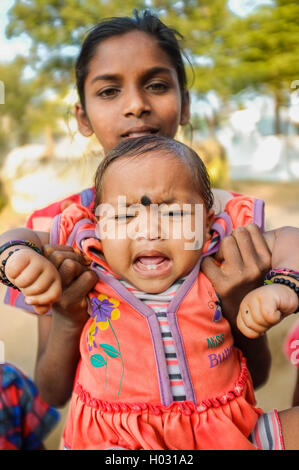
(229,53)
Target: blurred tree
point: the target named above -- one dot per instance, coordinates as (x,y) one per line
(228,53)
(263,50)
(27,111)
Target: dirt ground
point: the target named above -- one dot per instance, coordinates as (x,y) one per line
(18,328)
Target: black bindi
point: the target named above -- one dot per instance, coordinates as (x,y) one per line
(145,201)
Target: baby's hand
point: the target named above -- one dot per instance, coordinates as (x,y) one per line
(264,307)
(36,277)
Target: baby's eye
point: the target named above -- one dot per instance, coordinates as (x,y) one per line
(172,214)
(123,217)
(177,213)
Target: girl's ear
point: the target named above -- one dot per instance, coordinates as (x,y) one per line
(185,111)
(83,121)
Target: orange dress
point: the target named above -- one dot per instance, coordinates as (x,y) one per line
(122,395)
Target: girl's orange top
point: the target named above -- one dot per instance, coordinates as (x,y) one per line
(122,394)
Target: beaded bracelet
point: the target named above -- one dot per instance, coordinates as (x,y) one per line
(3,278)
(282,272)
(285,282)
(19,242)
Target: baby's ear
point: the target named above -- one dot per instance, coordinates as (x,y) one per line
(84,125)
(209,222)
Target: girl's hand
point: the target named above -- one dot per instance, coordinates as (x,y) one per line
(239,267)
(264,307)
(240,264)
(77,280)
(36,277)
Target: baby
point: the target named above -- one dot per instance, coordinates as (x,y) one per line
(177,183)
(153,222)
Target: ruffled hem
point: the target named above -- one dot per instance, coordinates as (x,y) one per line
(185,407)
(220,423)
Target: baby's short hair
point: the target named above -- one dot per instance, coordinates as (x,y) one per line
(141,146)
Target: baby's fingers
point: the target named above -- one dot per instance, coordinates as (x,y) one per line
(256,316)
(47,296)
(41,310)
(251,331)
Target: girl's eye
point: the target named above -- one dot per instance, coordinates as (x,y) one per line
(108,93)
(158,87)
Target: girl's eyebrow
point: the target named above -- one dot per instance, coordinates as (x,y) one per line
(147,74)
(105,77)
(156,70)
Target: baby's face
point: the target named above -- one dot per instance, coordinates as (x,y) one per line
(154,222)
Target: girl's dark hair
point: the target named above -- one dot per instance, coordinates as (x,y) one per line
(146,22)
(140,146)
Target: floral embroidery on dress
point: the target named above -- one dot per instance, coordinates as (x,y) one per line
(104,309)
(91,335)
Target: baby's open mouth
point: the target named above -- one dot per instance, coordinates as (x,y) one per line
(150,262)
(152,265)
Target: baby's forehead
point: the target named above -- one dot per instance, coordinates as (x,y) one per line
(156,167)
(164,163)
(163,175)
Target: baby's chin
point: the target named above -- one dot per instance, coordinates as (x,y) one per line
(152,287)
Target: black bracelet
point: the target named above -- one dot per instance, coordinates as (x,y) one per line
(19,242)
(285,282)
(3,278)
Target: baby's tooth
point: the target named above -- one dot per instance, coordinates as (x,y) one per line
(151,266)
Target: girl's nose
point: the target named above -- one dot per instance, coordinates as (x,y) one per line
(135,103)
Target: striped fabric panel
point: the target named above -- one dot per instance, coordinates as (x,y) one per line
(159,303)
(175,378)
(267,433)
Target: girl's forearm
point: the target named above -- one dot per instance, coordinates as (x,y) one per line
(57,362)
(22,233)
(284,243)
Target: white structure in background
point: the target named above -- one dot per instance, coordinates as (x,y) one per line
(37,175)
(256,156)
(33,180)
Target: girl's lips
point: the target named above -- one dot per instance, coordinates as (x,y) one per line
(140,132)
(152,266)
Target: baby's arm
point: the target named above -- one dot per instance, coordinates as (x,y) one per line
(33,274)
(267,305)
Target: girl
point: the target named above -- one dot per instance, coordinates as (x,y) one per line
(190,388)
(131,82)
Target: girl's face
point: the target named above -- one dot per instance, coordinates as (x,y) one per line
(150,245)
(131,90)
